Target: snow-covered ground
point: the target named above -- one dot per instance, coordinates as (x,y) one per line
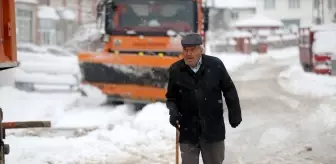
(308,84)
(91,134)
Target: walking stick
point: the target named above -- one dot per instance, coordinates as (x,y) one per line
(177,149)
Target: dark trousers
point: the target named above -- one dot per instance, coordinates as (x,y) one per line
(212,153)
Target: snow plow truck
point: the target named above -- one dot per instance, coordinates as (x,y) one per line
(8,60)
(141,40)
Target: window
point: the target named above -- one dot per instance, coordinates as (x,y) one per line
(156,17)
(24,25)
(269,4)
(234,15)
(47,31)
(293,4)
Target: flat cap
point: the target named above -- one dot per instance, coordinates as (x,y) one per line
(192,39)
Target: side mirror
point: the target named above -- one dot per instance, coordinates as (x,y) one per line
(206,19)
(110,8)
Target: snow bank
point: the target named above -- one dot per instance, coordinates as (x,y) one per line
(22,106)
(296,81)
(121,137)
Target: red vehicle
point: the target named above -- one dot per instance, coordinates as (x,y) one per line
(317,46)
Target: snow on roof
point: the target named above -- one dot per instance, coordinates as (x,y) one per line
(233,3)
(258,21)
(46,12)
(67,14)
(27,1)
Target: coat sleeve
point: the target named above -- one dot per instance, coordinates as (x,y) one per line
(171,95)
(230,94)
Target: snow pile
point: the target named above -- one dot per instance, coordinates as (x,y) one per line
(46,12)
(31,106)
(296,81)
(128,136)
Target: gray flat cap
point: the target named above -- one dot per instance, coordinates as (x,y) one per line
(192,39)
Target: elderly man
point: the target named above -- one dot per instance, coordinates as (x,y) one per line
(194,100)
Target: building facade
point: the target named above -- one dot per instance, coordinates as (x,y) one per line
(26,21)
(51,21)
(298,12)
(225,12)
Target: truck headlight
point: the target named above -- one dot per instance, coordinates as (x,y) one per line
(106,38)
(117,42)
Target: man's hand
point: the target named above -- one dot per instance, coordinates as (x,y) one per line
(174,119)
(235,124)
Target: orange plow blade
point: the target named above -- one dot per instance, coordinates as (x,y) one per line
(127,76)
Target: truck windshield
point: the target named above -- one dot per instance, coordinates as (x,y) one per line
(152,16)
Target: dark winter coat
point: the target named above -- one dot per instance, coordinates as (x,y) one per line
(195,100)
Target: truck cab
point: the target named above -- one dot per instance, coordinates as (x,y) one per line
(8,57)
(141,40)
